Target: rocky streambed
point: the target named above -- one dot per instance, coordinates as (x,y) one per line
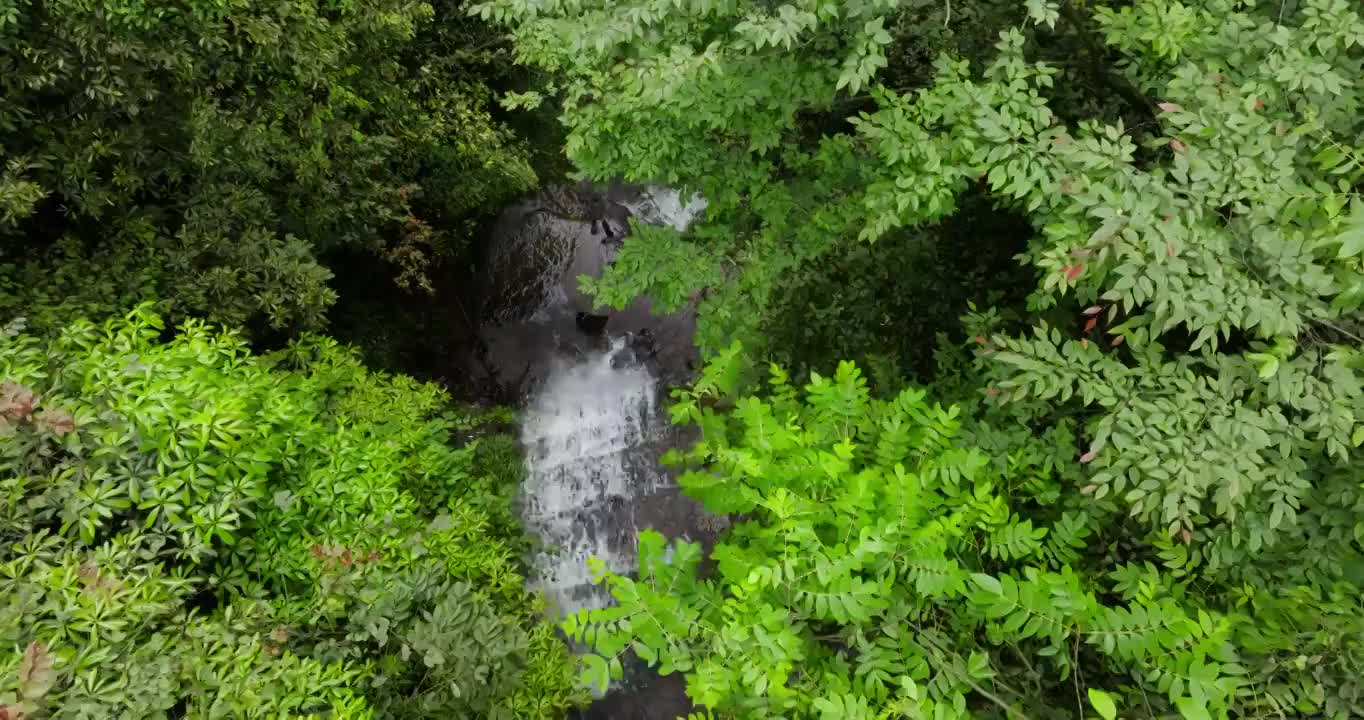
(593,383)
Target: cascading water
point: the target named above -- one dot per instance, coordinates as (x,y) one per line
(665,206)
(585,433)
(592,425)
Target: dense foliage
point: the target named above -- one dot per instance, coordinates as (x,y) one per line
(208,152)
(1102,260)
(1152,489)
(191,530)
(887,567)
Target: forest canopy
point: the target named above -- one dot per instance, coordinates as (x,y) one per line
(208,153)
(1146,497)
(1033,337)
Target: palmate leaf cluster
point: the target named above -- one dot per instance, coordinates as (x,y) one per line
(1168,425)
(209,153)
(191,530)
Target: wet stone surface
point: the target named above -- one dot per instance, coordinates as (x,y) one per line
(532,308)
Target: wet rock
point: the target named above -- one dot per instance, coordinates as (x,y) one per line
(533,305)
(524,268)
(664,206)
(593,427)
(591,324)
(664,698)
(643,344)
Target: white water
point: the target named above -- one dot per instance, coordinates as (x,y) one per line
(591,425)
(583,431)
(664,206)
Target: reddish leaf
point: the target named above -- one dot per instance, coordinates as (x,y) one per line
(980,339)
(11,712)
(35,672)
(1089,457)
(1169,107)
(16,401)
(1118,341)
(1186,536)
(1090,325)
(1073,271)
(991,392)
(89,575)
(1259,104)
(54,421)
(1093,310)
(1177,146)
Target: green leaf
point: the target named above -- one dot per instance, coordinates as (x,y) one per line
(987,583)
(1351,239)
(1103,704)
(1265,364)
(1351,242)
(596,672)
(1192,709)
(1110,228)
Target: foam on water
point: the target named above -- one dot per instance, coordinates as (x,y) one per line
(664,206)
(584,431)
(591,427)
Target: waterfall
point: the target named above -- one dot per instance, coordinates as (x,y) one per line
(592,425)
(664,206)
(585,432)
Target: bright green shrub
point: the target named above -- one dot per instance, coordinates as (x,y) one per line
(189,526)
(883,567)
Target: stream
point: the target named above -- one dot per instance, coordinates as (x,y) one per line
(594,387)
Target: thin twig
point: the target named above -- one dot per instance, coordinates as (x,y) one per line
(1075,674)
(1006,707)
(1147,700)
(1339,329)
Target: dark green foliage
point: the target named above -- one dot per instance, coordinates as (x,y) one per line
(188,525)
(1144,500)
(885,303)
(215,148)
